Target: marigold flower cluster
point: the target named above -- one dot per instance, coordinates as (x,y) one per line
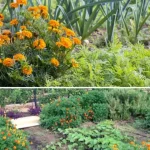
(4,39)
(13,138)
(24,33)
(53,49)
(39,11)
(18,3)
(67,37)
(10,62)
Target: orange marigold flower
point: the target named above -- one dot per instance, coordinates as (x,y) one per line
(22,2)
(39,44)
(8,62)
(50,28)
(35,9)
(19,57)
(59,44)
(14,22)
(27,34)
(148,145)
(56,30)
(6,32)
(132,143)
(1,23)
(76,41)
(13,5)
(43,8)
(14,147)
(18,142)
(143,143)
(27,70)
(1,42)
(20,35)
(66,42)
(0,60)
(55,62)
(5,38)
(44,14)
(9,134)
(4,138)
(74,63)
(23,27)
(54,23)
(69,32)
(36,15)
(1,17)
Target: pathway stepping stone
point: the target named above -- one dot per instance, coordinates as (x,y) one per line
(26,122)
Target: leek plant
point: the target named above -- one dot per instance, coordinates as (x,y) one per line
(138,19)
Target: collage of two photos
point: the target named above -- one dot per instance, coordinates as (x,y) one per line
(74,75)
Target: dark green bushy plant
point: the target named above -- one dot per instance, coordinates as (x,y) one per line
(95,101)
(101,111)
(62,113)
(91,97)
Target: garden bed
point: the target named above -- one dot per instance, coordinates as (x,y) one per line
(41,137)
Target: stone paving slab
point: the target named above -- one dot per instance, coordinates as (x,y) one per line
(26,122)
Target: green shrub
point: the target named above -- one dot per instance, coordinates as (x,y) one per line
(100,111)
(92,97)
(11,138)
(147,121)
(103,136)
(62,113)
(124,103)
(5,122)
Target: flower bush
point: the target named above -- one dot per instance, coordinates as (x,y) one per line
(10,137)
(61,113)
(35,47)
(13,139)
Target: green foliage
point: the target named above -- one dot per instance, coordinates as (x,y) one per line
(14,96)
(92,97)
(101,112)
(102,136)
(134,24)
(61,113)
(5,122)
(147,120)
(114,66)
(11,138)
(48,98)
(124,103)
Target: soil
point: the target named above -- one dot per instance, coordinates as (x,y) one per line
(40,137)
(127,128)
